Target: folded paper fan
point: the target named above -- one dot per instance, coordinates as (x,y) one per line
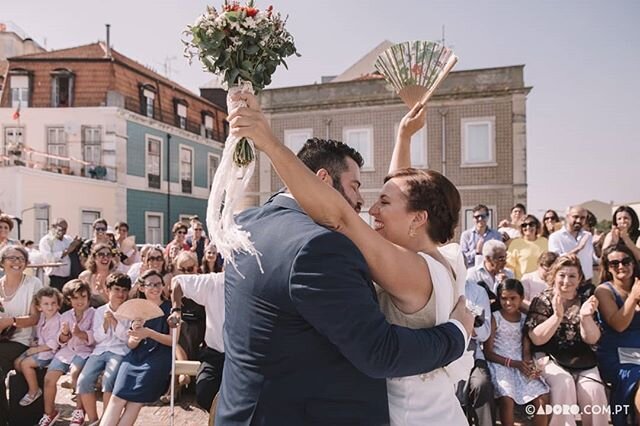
(415,69)
(138,309)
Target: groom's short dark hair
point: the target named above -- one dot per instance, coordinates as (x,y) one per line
(328,154)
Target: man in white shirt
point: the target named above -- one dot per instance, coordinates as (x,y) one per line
(55,248)
(492,270)
(206,290)
(572,239)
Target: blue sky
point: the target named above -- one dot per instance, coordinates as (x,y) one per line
(582,59)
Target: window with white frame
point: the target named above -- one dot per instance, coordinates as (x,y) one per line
(207,123)
(154,161)
(295,138)
(361,139)
(19,91)
(418,147)
(467,216)
(153,228)
(181,115)
(148,96)
(478,141)
(214,162)
(57,146)
(186,169)
(92,144)
(62,88)
(41,225)
(13,136)
(86,226)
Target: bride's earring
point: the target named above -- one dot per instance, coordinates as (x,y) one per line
(412,231)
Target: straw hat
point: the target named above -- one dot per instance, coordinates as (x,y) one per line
(138,309)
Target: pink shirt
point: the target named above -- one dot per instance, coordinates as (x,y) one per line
(75,345)
(47,332)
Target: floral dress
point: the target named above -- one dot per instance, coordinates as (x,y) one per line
(509,381)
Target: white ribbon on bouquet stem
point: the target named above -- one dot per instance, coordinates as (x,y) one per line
(229,186)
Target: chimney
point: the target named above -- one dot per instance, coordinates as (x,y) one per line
(108,40)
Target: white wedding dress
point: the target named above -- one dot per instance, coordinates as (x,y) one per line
(429,399)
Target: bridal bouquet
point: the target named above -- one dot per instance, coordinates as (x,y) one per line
(243,45)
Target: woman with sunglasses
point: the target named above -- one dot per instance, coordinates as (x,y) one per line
(619,296)
(178,243)
(98,266)
(625,230)
(145,371)
(153,258)
(550,223)
(100,235)
(523,252)
(17,292)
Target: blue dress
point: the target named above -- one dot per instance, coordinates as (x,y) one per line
(623,377)
(144,372)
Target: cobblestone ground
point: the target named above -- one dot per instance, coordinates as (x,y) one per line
(187,412)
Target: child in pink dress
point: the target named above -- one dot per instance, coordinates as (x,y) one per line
(48,301)
(76,338)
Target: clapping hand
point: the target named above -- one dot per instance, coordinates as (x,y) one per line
(589,307)
(65,328)
(556,304)
(109,321)
(138,332)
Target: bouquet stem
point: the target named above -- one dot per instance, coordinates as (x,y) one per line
(244,153)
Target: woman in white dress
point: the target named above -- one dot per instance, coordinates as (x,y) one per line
(416,212)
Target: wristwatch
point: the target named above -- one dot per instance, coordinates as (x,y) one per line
(176,310)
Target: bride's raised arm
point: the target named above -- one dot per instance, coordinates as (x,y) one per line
(413,121)
(401,272)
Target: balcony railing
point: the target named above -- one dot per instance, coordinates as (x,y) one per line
(55,164)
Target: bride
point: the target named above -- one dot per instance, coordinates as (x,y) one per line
(419,281)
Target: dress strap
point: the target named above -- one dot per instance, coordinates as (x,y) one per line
(617,296)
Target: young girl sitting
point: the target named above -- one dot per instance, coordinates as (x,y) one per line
(513,373)
(144,373)
(76,338)
(48,301)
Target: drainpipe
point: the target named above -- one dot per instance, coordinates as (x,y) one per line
(327,126)
(443,121)
(168,184)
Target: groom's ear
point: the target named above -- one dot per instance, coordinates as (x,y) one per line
(324,176)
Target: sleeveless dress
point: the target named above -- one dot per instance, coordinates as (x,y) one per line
(624,377)
(508,381)
(429,399)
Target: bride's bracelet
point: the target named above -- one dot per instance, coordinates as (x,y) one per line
(508,362)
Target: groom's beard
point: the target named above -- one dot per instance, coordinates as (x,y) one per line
(357,206)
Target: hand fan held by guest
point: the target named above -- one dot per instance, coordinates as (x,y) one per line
(415,69)
(138,309)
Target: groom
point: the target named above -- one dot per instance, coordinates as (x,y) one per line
(305,341)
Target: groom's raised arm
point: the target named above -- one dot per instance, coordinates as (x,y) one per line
(329,286)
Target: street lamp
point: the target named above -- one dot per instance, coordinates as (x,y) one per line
(35,206)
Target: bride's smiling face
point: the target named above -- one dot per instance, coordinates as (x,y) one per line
(392,220)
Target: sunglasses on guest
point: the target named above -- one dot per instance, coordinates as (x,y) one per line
(100,229)
(153,285)
(624,262)
(181,232)
(155,258)
(529,225)
(549,218)
(104,254)
(480,216)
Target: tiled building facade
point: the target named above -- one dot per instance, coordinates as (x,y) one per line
(97,117)
(475,133)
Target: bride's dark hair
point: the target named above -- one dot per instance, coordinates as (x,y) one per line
(434,193)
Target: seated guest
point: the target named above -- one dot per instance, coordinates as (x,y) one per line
(523,253)
(618,296)
(208,291)
(178,243)
(212,261)
(550,223)
(110,335)
(100,235)
(198,241)
(139,267)
(127,249)
(491,271)
(154,259)
(561,325)
(20,314)
(99,265)
(473,239)
(625,230)
(76,338)
(535,282)
(144,373)
(476,394)
(511,229)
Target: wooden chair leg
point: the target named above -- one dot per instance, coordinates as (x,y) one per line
(212,411)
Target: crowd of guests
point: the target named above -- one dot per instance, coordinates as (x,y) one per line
(68,324)
(552,330)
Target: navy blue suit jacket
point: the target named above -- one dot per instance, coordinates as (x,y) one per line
(305,341)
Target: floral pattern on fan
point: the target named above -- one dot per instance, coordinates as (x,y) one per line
(415,69)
